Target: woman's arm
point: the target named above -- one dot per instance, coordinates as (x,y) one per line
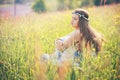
(73,37)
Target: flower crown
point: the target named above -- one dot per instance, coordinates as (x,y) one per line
(80,15)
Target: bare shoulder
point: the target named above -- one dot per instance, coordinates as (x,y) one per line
(76,35)
(75,32)
(78,32)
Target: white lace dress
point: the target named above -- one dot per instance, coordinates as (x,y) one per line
(59,57)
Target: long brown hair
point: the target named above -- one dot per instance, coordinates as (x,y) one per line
(89,35)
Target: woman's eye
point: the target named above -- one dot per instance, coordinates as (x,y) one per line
(75,19)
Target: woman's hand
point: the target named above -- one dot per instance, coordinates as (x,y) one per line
(59,44)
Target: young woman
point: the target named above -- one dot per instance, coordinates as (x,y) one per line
(71,46)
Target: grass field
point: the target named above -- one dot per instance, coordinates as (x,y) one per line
(24,39)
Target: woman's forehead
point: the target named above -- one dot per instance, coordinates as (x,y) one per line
(75,15)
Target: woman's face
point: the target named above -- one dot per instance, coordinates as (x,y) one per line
(75,20)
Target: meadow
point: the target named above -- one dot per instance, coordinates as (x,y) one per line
(23,39)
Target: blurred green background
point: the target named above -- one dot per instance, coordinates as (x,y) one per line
(28,29)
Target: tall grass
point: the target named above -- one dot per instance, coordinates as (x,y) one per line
(24,39)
